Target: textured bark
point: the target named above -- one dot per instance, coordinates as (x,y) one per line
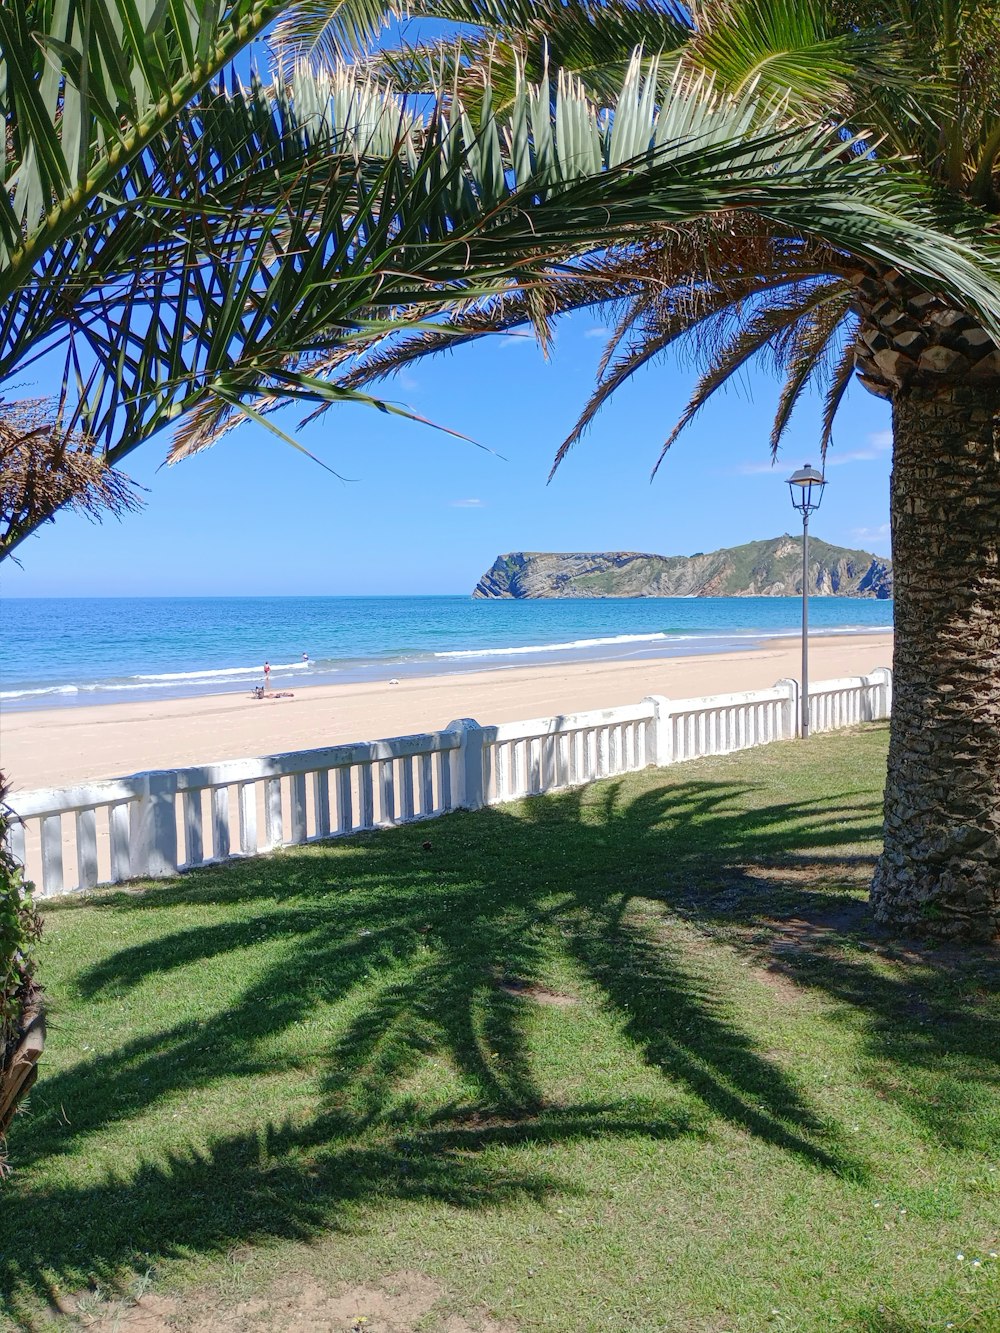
(940,868)
(19,1071)
(912,338)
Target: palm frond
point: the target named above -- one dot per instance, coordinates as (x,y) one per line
(594,40)
(840,379)
(753,337)
(286,257)
(274,226)
(807,357)
(44,467)
(733,253)
(84,89)
(600,282)
(793,49)
(330,31)
(723,312)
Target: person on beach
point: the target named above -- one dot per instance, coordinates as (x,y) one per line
(267,675)
(305,657)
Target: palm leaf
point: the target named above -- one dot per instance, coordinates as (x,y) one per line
(277,225)
(723,310)
(753,337)
(840,378)
(807,356)
(86,88)
(386,353)
(595,40)
(794,49)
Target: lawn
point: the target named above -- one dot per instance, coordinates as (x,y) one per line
(626,1058)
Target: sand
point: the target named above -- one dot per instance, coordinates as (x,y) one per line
(56,747)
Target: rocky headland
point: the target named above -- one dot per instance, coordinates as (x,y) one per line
(771,568)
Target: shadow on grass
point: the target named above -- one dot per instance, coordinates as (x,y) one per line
(437,949)
(289,1182)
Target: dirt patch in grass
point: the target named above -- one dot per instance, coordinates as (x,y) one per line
(808,930)
(293,1303)
(778,982)
(787,939)
(529,990)
(792,939)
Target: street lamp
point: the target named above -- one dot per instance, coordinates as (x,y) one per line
(806,489)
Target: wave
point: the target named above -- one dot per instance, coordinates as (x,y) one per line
(48,689)
(702,636)
(226,672)
(161,681)
(556,647)
(329,669)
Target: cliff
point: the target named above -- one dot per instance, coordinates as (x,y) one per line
(759,569)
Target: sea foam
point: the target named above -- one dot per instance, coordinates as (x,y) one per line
(219,673)
(555,647)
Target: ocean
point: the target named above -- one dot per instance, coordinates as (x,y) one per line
(67,651)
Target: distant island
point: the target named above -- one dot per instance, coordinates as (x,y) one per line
(759,569)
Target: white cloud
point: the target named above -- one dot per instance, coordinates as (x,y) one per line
(879,442)
(468,504)
(835,459)
(879,534)
(596,332)
(752,469)
(876,444)
(507,340)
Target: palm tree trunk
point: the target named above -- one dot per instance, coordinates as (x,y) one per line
(940,868)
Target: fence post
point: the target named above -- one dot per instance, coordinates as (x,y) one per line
(15,838)
(663,730)
(792,711)
(153,831)
(468,786)
(882,678)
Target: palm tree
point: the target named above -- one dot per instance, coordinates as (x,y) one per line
(204,249)
(920,79)
(190,245)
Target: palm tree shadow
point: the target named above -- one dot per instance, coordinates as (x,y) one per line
(289,1182)
(931,1026)
(437,952)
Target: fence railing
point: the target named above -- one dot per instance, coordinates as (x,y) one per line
(152,825)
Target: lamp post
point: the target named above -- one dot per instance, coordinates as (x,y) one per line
(806,489)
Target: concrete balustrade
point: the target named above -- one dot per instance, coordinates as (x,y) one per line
(153,825)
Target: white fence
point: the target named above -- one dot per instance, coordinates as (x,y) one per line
(151,825)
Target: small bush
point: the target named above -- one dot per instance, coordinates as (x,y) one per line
(20,927)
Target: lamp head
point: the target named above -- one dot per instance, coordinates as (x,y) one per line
(806,489)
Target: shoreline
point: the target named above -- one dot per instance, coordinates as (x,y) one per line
(311,673)
(54,747)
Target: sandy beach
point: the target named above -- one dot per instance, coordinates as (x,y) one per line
(56,747)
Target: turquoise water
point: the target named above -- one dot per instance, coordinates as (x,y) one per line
(106,650)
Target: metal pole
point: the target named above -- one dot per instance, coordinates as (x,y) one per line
(805,622)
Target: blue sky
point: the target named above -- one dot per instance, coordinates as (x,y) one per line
(425,513)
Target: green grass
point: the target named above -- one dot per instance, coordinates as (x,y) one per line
(628,1058)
